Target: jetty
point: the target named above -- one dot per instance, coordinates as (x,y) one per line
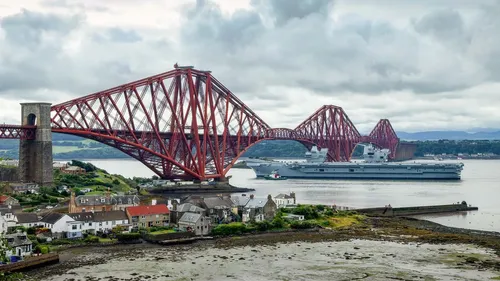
(30,263)
(389,211)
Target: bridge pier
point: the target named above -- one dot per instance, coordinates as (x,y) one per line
(35,156)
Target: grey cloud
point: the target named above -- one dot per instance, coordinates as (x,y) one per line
(355,54)
(438,52)
(118,35)
(71,4)
(27,28)
(284,11)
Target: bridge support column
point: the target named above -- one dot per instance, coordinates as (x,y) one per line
(35,156)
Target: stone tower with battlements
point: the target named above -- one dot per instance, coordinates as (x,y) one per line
(35,156)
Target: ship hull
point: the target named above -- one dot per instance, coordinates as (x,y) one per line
(386,171)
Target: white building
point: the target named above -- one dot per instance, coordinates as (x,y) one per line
(56,222)
(89,222)
(3,225)
(9,217)
(19,243)
(197,223)
(283,200)
(28,220)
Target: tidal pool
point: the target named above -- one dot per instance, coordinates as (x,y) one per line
(347,260)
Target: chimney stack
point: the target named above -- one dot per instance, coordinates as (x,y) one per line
(251,196)
(293,196)
(153,202)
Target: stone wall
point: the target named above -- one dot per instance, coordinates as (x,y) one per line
(9,174)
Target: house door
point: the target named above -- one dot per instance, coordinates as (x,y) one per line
(19,252)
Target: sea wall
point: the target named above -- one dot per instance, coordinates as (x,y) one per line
(168,236)
(417,210)
(9,173)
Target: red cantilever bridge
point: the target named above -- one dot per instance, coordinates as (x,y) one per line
(185,124)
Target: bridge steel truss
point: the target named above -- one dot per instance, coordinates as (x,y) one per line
(17,132)
(185,124)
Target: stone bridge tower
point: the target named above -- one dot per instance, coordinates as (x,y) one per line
(35,156)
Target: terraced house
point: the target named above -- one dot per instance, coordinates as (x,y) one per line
(101,203)
(148,216)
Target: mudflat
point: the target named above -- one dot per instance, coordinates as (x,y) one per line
(377,249)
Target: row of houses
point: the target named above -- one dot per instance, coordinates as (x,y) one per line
(95,213)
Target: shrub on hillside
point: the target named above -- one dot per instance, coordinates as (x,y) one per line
(302,225)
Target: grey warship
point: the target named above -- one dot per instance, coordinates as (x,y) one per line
(375,165)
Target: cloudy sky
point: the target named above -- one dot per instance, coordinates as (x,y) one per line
(425,65)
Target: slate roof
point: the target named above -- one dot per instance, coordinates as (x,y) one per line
(99,216)
(110,216)
(97,200)
(190,218)
(218,202)
(188,207)
(283,196)
(27,218)
(84,216)
(52,218)
(256,203)
(240,201)
(148,210)
(17,239)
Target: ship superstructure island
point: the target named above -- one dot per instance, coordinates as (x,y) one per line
(374,165)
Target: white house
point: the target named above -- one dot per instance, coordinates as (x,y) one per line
(56,222)
(3,225)
(28,219)
(20,244)
(9,216)
(89,222)
(283,200)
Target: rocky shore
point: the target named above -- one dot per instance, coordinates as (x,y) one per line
(376,241)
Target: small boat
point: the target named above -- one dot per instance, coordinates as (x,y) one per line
(274,175)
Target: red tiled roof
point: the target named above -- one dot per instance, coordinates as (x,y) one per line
(3,198)
(148,210)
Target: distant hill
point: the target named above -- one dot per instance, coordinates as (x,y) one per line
(450,135)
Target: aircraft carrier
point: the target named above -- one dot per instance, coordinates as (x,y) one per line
(375,165)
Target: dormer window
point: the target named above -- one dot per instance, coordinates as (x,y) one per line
(103,200)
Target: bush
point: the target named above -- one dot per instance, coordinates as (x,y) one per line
(302,225)
(309,212)
(263,225)
(62,242)
(128,236)
(234,228)
(159,228)
(42,249)
(31,231)
(91,239)
(278,222)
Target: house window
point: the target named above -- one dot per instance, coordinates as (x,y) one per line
(74,227)
(83,209)
(114,222)
(143,217)
(103,200)
(100,224)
